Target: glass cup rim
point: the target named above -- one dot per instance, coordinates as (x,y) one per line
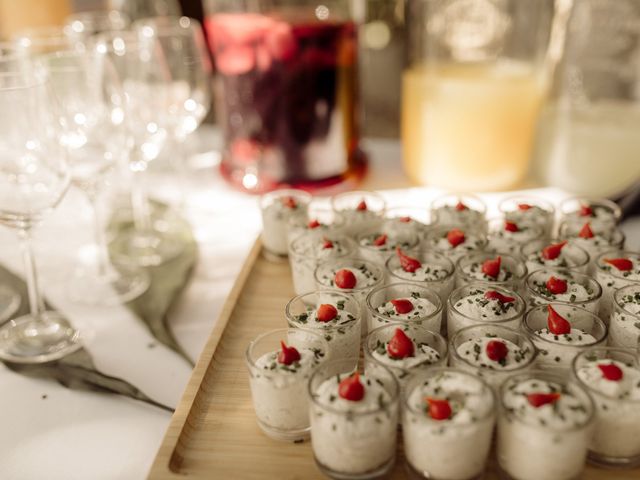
(389,326)
(547,376)
(614,272)
(537,228)
(413,237)
(436,370)
(435,233)
(248,352)
(592,391)
(345,263)
(586,258)
(296,249)
(513,331)
(398,208)
(614,207)
(487,256)
(435,300)
(305,197)
(336,222)
(290,317)
(571,274)
(520,309)
(617,297)
(422,252)
(617,236)
(532,333)
(361,193)
(459,195)
(353,361)
(534,200)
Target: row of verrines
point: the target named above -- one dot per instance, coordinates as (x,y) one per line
(488,351)
(587,223)
(546,422)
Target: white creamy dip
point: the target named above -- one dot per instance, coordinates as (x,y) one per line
(558,351)
(624,327)
(275,219)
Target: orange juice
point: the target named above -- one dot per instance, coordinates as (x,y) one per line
(470,127)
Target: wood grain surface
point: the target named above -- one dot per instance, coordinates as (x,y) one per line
(213,433)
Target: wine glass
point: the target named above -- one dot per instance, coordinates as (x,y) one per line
(93,103)
(135,63)
(182,76)
(82,26)
(41,40)
(33,179)
(137,9)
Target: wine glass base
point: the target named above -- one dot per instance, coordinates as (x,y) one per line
(145,250)
(115,287)
(9,302)
(28,339)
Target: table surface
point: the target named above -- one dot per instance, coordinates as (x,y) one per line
(51,432)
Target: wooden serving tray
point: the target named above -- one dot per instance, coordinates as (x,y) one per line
(213,433)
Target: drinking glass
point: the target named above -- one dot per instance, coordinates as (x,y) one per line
(33,179)
(137,9)
(40,40)
(92,99)
(183,76)
(477,77)
(286,92)
(137,65)
(83,25)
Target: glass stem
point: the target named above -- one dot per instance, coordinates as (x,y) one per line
(180,165)
(36,303)
(139,201)
(102,253)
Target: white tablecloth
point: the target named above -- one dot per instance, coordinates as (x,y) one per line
(49,432)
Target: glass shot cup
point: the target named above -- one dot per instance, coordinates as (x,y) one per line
(278,390)
(582,290)
(278,208)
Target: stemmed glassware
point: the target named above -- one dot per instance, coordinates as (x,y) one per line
(136,64)
(83,25)
(181,76)
(93,107)
(34,177)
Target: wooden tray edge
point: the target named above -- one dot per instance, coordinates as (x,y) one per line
(167,460)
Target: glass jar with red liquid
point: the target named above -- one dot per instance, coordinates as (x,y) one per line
(286,92)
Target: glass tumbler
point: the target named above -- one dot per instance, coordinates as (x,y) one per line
(286,92)
(476,80)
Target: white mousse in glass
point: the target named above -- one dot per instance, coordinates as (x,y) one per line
(624,326)
(278,208)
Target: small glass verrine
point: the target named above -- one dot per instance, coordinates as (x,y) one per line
(599,212)
(359,209)
(405,303)
(428,349)
(435,271)
(572,288)
(455,241)
(279,382)
(556,351)
(355,437)
(376,244)
(448,421)
(492,352)
(417,219)
(612,277)
(528,209)
(277,209)
(307,251)
(510,271)
(333,315)
(507,236)
(545,424)
(321,220)
(624,325)
(351,276)
(612,378)
(461,209)
(592,240)
(477,303)
(539,254)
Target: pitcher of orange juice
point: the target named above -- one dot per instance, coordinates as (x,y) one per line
(476,79)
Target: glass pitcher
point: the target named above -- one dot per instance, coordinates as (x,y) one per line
(589,137)
(286,92)
(476,79)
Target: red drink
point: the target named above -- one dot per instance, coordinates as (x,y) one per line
(286,99)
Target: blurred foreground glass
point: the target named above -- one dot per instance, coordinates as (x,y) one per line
(33,179)
(588,141)
(286,92)
(476,79)
(82,26)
